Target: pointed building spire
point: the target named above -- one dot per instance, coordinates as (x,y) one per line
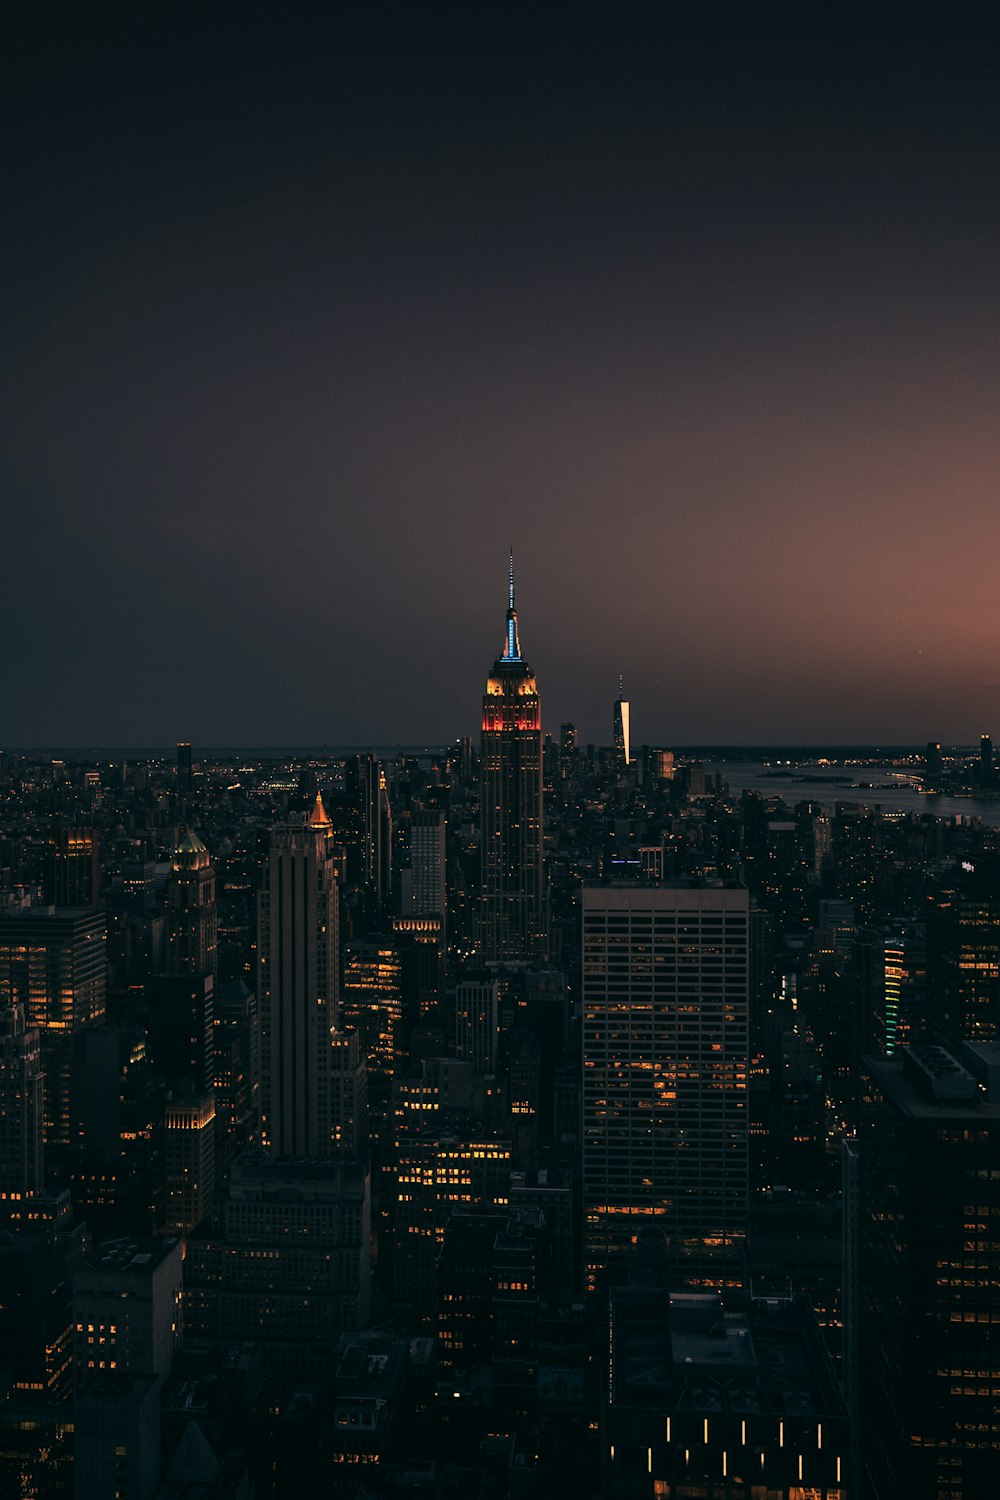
(512,646)
(621,685)
(318,817)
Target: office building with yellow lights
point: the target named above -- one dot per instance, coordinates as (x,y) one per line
(665,1135)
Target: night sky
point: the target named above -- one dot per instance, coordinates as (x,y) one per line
(309,313)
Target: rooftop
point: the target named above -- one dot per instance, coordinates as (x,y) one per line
(702,1352)
(926,1082)
(138,1256)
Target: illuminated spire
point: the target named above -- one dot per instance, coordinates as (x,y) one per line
(318,817)
(621,685)
(512,646)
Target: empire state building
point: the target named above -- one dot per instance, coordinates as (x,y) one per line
(513,908)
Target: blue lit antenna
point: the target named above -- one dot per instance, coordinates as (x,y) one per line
(512,649)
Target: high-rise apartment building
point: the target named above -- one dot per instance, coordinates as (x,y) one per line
(512,917)
(299,962)
(192,933)
(665,1003)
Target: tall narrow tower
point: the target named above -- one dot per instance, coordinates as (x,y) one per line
(513,909)
(623,742)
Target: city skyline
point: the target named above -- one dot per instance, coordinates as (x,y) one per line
(437,1059)
(701,306)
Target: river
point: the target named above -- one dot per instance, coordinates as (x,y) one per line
(749,775)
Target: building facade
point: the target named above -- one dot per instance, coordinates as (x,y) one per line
(924,1298)
(22,1090)
(299,982)
(665,1133)
(53,962)
(192,930)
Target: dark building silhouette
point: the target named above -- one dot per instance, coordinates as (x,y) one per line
(116,1448)
(53,961)
(712,1396)
(964,952)
(181,1028)
(923,1205)
(35,1317)
(184,766)
(22,1089)
(986,768)
(71,869)
(236,1049)
(189,1154)
(287,1264)
(362,825)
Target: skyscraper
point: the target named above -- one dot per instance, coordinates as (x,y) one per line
(362,824)
(985,760)
(54,961)
(923,1205)
(477,1010)
(184,765)
(189,1153)
(423,885)
(193,922)
(22,1173)
(71,870)
(513,911)
(623,740)
(665,1016)
(299,958)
